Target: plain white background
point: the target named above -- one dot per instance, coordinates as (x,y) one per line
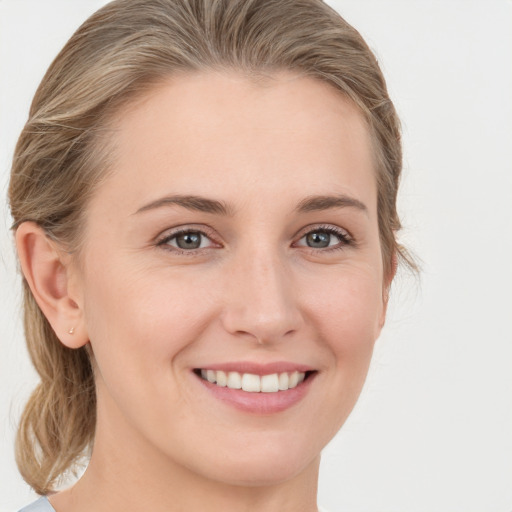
(432,431)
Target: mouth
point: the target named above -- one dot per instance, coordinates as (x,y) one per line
(254,383)
(255,388)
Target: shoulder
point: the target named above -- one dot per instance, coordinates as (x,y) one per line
(41,505)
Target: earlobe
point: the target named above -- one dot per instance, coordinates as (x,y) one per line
(47,272)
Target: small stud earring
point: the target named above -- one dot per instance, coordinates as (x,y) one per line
(71,331)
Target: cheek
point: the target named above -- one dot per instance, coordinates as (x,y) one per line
(138,326)
(348,313)
(141,319)
(345,316)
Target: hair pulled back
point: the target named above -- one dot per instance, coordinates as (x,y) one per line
(60,158)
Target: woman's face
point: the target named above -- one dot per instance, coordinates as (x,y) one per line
(237,234)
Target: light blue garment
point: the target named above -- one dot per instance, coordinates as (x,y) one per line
(41,505)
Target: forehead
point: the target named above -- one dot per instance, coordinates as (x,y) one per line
(221,130)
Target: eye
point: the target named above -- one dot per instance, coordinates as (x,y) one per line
(187,240)
(327,237)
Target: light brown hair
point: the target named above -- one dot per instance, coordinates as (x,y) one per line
(61,155)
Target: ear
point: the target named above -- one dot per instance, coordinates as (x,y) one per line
(388,279)
(49,273)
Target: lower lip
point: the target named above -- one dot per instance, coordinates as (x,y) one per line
(259,403)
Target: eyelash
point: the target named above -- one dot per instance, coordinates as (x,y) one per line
(164,242)
(345,239)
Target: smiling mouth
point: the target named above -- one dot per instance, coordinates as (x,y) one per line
(271,383)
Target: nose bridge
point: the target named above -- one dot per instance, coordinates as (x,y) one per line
(261,296)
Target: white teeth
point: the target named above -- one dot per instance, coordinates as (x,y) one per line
(234,380)
(294,380)
(283,381)
(251,383)
(222,379)
(270,383)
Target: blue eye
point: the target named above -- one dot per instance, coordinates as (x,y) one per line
(187,240)
(318,239)
(325,238)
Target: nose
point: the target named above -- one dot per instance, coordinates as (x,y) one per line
(261,299)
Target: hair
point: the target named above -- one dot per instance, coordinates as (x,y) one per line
(61,156)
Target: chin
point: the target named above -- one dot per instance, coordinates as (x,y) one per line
(260,475)
(261,464)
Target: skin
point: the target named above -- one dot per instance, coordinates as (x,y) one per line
(255,291)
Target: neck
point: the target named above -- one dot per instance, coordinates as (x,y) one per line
(140,478)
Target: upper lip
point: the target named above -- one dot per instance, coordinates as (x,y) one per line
(258,368)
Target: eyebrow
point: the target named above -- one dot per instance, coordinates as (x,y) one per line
(205,205)
(194,203)
(320,203)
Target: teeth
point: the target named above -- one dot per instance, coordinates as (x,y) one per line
(283,381)
(294,380)
(222,379)
(234,380)
(254,383)
(270,383)
(251,383)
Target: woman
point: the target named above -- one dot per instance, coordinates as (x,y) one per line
(204,201)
